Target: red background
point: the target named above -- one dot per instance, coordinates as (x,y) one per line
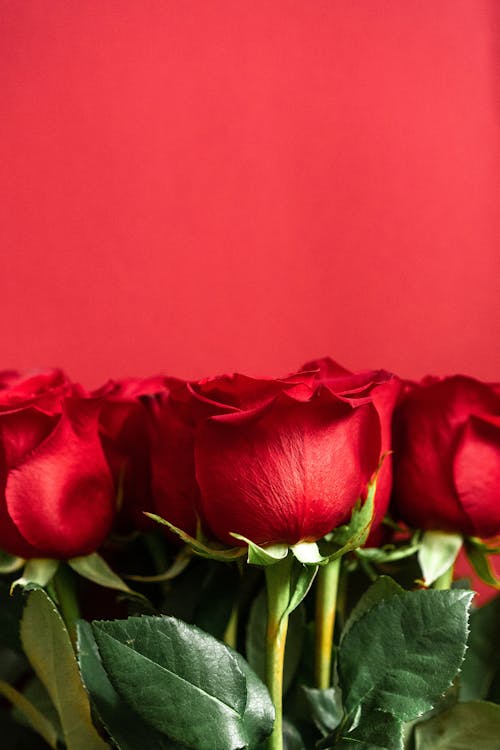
(202,186)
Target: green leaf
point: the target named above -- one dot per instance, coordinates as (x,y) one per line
(383,588)
(412,646)
(37,571)
(325,706)
(438,552)
(179,680)
(462,727)
(478,558)
(375,730)
(256,640)
(96,569)
(126,728)
(482,660)
(48,647)
(36,719)
(224,554)
(259,711)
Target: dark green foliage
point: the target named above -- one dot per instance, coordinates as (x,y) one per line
(180,682)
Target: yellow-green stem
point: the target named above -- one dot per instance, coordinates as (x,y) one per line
(278,597)
(231,632)
(444,582)
(326,598)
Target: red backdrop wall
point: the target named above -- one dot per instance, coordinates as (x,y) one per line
(207,186)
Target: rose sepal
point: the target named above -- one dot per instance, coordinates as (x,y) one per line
(10,563)
(199,545)
(41,571)
(353,535)
(437,555)
(337,543)
(390,552)
(94,568)
(263,556)
(477,554)
(179,564)
(38,571)
(484,545)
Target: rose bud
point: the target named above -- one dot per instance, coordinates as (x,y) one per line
(125,430)
(176,416)
(383,389)
(56,492)
(286,462)
(447,456)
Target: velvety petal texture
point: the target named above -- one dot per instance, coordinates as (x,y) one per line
(447,456)
(382,388)
(275,460)
(179,413)
(290,472)
(45,389)
(57,497)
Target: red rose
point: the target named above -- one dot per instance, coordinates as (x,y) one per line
(176,418)
(124,426)
(447,456)
(383,389)
(274,460)
(56,492)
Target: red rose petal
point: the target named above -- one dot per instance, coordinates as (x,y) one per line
(22,431)
(61,497)
(476,469)
(11,540)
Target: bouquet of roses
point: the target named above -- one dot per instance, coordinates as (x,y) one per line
(252,563)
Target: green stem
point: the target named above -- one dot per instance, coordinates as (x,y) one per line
(231,632)
(278,597)
(443,583)
(65,589)
(326,598)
